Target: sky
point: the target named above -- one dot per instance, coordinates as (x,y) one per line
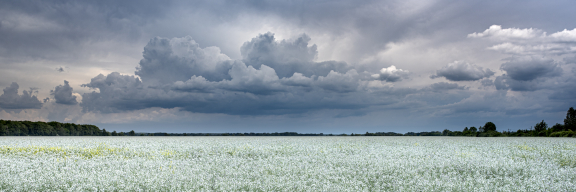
(277,66)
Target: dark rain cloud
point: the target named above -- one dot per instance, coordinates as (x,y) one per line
(11,100)
(530,68)
(177,59)
(63,94)
(462,71)
(505,82)
(287,57)
(116,93)
(177,72)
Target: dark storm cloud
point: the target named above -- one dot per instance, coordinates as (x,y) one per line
(505,82)
(116,93)
(124,93)
(462,71)
(177,72)
(288,57)
(530,68)
(63,94)
(554,83)
(177,59)
(11,100)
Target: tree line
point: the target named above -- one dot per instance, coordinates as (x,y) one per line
(541,129)
(29,128)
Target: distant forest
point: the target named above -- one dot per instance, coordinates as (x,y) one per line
(541,129)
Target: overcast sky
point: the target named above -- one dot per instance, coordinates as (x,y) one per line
(275,66)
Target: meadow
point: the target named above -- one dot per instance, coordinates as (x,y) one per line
(287,164)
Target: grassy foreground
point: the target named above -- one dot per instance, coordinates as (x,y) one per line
(287,164)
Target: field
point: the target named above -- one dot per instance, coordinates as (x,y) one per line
(287,164)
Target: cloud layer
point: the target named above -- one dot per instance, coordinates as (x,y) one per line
(274,77)
(535,58)
(11,100)
(338,64)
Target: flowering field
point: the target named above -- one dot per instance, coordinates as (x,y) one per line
(287,164)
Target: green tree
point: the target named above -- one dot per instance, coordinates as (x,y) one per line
(473,129)
(114,133)
(2,130)
(446,132)
(132,133)
(570,121)
(489,126)
(558,127)
(539,127)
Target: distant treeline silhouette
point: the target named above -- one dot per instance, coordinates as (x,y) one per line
(541,129)
(25,128)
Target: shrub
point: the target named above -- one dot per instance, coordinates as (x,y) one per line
(556,134)
(542,134)
(568,133)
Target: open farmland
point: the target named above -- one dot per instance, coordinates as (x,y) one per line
(287,164)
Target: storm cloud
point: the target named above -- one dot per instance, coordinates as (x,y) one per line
(179,73)
(116,92)
(177,59)
(63,94)
(11,100)
(287,57)
(462,71)
(530,68)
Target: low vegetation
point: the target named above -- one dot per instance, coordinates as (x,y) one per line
(541,129)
